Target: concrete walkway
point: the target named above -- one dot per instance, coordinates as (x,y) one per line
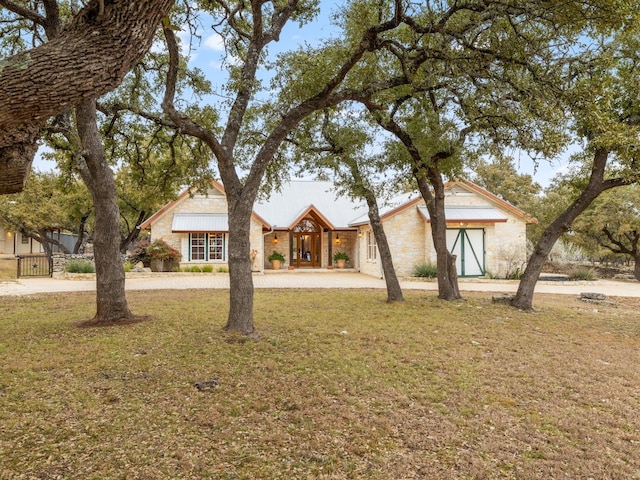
(308,279)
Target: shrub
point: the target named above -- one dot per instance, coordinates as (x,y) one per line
(582,273)
(194,269)
(127,267)
(140,253)
(275,255)
(207,268)
(161,250)
(80,266)
(340,256)
(222,270)
(514,275)
(425,270)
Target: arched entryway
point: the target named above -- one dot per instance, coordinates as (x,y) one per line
(306,244)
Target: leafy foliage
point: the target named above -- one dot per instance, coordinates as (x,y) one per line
(275,255)
(80,266)
(425,270)
(161,250)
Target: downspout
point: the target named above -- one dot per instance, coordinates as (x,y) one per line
(263,236)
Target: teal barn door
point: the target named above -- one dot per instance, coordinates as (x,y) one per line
(468,245)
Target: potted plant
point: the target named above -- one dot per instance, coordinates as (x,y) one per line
(340,258)
(163,257)
(276,259)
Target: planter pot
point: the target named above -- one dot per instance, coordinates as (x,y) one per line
(162,265)
(276,264)
(340,263)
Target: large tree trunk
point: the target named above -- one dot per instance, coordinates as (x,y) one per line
(110,278)
(447,276)
(394,292)
(88,58)
(524,296)
(80,241)
(240,277)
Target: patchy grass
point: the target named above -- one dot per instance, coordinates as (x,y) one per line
(339,385)
(8,269)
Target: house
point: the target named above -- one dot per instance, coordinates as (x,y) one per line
(16,244)
(308,222)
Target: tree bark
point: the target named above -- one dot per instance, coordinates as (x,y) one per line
(394,292)
(80,241)
(88,58)
(447,276)
(524,296)
(110,278)
(133,234)
(240,317)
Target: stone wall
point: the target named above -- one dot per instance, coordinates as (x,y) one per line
(60,261)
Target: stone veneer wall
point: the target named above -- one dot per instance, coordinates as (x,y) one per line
(213,202)
(60,260)
(410,240)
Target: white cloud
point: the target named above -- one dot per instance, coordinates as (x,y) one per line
(214,42)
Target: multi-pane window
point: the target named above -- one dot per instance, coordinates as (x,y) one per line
(216,246)
(207,246)
(198,242)
(372,247)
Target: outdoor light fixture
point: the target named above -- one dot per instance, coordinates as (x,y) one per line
(337,238)
(275,238)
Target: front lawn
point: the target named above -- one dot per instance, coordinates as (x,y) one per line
(339,385)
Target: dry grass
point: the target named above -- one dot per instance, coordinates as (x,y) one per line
(339,385)
(8,269)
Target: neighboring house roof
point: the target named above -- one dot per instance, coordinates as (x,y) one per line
(285,208)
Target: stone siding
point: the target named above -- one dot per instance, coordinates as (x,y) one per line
(214,202)
(411,243)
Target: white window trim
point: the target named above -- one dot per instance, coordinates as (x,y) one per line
(207,248)
(372,247)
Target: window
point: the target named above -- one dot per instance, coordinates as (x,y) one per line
(24,240)
(207,246)
(372,247)
(216,246)
(197,246)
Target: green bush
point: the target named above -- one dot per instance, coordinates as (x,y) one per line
(275,255)
(127,267)
(207,268)
(340,256)
(80,266)
(582,273)
(222,270)
(425,270)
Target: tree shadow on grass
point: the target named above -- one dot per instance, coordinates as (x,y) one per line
(91,323)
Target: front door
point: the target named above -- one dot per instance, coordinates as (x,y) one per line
(306,248)
(468,245)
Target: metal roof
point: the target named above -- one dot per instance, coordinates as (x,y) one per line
(456,213)
(282,208)
(200,222)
